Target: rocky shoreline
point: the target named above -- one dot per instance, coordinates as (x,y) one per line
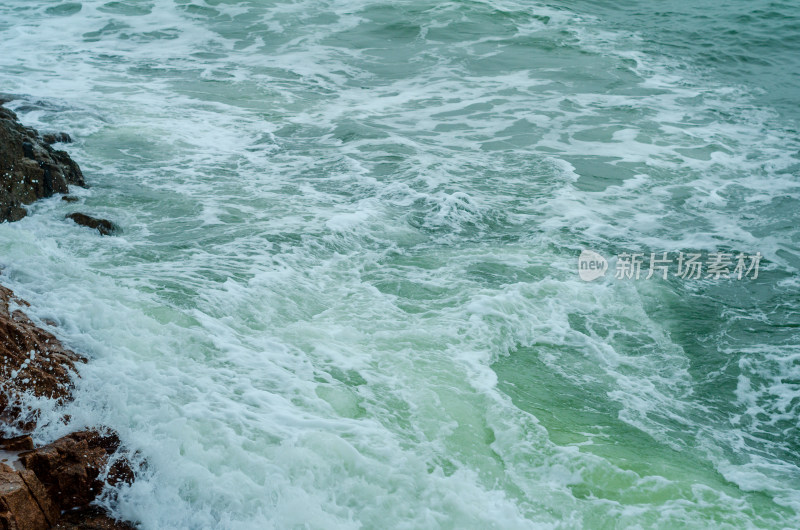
(51,486)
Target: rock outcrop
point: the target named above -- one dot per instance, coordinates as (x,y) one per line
(73,468)
(60,478)
(56,138)
(50,486)
(104,226)
(33,361)
(38,485)
(30,168)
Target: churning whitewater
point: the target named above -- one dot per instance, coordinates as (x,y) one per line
(345,294)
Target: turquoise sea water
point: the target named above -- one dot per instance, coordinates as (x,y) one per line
(346,292)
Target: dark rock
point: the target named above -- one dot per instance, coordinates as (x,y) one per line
(90,519)
(10,207)
(27,150)
(71,468)
(33,361)
(55,138)
(104,226)
(69,198)
(29,168)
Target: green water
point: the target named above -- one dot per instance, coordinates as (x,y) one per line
(346,294)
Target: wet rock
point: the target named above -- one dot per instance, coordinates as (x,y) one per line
(104,226)
(30,169)
(17,443)
(69,198)
(10,207)
(61,477)
(27,150)
(24,501)
(72,468)
(56,138)
(90,519)
(33,360)
(69,473)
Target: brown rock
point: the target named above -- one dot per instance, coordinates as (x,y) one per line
(33,360)
(70,468)
(40,495)
(24,502)
(55,138)
(29,168)
(17,443)
(64,476)
(105,227)
(90,519)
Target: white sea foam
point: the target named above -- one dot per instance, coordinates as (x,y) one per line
(302,321)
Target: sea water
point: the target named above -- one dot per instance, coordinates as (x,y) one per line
(346,292)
